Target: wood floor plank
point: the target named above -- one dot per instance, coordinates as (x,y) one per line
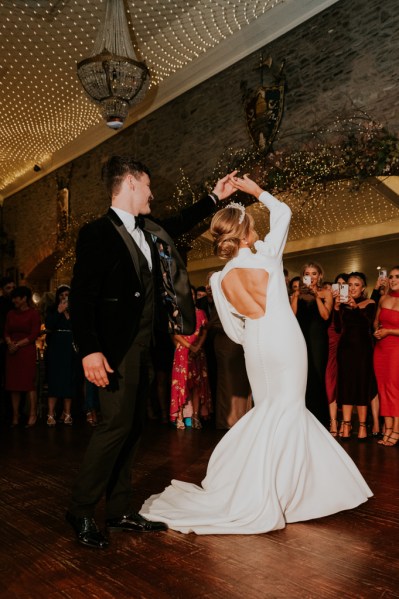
(350,555)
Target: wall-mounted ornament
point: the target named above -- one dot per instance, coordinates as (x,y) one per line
(264,106)
(63,179)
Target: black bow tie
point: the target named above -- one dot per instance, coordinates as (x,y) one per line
(139,222)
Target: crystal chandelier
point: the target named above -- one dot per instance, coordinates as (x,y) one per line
(113,76)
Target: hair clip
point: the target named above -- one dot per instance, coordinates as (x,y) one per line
(239,207)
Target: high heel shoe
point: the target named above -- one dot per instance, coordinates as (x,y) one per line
(66,419)
(51,421)
(180,424)
(31,422)
(386,436)
(333,427)
(362,439)
(196,422)
(91,418)
(392,441)
(348,424)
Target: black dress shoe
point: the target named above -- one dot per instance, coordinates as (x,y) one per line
(87,531)
(134,523)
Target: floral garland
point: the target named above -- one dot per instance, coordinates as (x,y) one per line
(351,148)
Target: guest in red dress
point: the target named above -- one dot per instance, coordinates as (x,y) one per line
(331,370)
(386,359)
(190,375)
(21,331)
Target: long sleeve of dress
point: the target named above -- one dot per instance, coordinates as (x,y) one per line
(280,217)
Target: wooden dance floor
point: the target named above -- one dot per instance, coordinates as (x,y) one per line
(349,555)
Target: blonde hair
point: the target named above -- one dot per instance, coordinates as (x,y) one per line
(227,231)
(317,266)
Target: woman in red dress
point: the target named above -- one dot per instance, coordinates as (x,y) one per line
(190,374)
(21,331)
(331,369)
(386,358)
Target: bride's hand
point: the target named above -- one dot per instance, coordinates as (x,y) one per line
(246,185)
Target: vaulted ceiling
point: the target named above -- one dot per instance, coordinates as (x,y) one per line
(46,119)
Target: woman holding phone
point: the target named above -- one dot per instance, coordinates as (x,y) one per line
(386,358)
(62,363)
(331,370)
(353,317)
(312,306)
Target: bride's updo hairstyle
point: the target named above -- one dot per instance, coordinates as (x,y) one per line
(227,231)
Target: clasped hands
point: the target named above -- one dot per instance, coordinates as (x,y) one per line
(225,187)
(12,347)
(380,333)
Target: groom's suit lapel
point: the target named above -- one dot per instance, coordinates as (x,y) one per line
(127,238)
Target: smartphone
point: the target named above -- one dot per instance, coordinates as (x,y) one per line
(307,280)
(382,273)
(335,287)
(344,293)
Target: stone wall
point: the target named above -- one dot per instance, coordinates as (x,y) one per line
(347,55)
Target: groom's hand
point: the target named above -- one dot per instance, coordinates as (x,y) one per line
(224,188)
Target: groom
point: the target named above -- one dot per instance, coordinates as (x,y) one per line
(128,281)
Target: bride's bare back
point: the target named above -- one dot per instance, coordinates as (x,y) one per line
(245,289)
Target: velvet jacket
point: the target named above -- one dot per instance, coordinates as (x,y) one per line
(106,298)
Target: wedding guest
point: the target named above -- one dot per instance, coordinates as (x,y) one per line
(91,403)
(386,358)
(190,375)
(233,394)
(331,369)
(22,328)
(356,384)
(381,287)
(312,306)
(6,287)
(61,359)
(294,285)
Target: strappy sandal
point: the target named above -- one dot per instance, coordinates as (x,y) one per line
(195,422)
(333,432)
(344,423)
(51,421)
(392,442)
(180,424)
(385,437)
(361,439)
(66,419)
(91,418)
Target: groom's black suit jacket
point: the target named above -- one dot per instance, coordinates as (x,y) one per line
(107,295)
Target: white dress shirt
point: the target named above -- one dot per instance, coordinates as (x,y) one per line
(130,224)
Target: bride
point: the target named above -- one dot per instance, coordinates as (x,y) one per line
(278,464)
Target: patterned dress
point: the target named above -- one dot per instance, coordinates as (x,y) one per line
(190,371)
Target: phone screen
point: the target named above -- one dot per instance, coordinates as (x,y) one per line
(344,293)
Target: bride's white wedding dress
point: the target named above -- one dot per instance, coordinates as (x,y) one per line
(278,464)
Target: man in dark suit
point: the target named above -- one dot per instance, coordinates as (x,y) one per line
(128,282)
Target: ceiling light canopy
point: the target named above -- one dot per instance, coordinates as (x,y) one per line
(113,76)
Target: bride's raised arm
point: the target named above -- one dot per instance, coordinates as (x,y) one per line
(280,214)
